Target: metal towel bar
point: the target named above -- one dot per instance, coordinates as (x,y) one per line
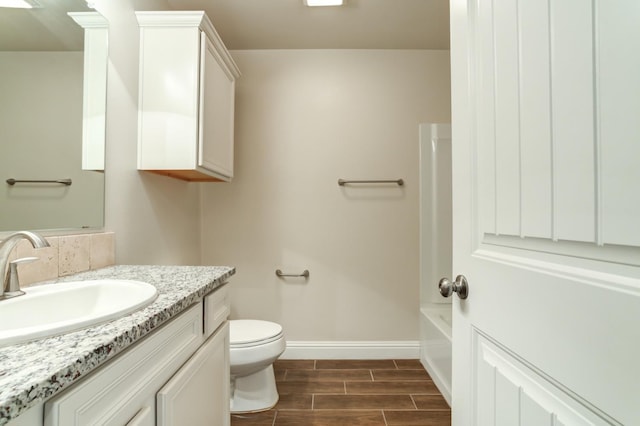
(304,273)
(12,181)
(399,182)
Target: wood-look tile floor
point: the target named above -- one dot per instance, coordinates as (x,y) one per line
(352,393)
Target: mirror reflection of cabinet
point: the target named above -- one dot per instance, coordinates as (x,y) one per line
(186,101)
(94,100)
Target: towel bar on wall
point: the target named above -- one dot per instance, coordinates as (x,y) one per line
(12,181)
(398,182)
(304,273)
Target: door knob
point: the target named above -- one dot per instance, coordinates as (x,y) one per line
(460,286)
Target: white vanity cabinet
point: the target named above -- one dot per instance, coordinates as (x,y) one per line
(178,375)
(186,98)
(198,394)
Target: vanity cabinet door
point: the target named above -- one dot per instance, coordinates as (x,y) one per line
(198,394)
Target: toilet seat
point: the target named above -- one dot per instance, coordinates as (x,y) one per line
(249,333)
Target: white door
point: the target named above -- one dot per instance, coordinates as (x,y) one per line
(546,211)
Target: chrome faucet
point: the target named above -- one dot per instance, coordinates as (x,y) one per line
(10,285)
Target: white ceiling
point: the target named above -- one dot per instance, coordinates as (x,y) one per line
(359,24)
(258,24)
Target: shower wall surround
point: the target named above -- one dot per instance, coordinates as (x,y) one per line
(68,254)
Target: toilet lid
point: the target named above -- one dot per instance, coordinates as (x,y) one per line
(242,332)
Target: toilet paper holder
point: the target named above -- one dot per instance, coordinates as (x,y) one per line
(304,273)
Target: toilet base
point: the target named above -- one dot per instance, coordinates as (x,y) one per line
(255,392)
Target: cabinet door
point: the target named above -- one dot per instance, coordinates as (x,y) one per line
(198,394)
(217,92)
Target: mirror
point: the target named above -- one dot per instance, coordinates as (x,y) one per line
(44,76)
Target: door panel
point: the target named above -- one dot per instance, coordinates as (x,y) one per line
(505,98)
(619,103)
(538,144)
(518,395)
(556,141)
(572,113)
(535,120)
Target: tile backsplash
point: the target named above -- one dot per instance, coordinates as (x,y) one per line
(68,254)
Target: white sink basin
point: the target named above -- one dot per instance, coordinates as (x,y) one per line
(59,308)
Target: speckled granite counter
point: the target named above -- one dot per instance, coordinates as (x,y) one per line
(32,372)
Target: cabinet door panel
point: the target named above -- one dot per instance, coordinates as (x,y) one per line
(168,110)
(217,93)
(198,394)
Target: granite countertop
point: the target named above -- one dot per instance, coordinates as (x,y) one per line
(32,372)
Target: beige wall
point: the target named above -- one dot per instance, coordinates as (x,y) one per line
(155,219)
(303,120)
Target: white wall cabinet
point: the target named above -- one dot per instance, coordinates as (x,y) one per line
(177,375)
(186,99)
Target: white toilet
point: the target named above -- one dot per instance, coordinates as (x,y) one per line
(255,345)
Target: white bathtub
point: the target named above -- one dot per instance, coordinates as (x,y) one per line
(435,350)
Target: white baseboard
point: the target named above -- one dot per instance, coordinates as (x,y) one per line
(409,349)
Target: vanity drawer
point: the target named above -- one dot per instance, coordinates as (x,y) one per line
(216,310)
